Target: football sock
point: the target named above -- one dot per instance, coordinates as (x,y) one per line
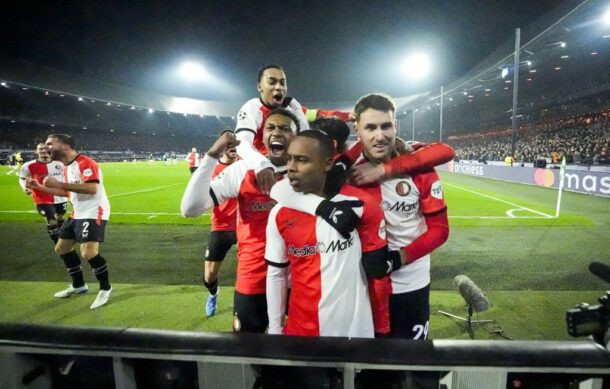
(74,268)
(100,269)
(211,286)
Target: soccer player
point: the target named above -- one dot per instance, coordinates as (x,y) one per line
(239,181)
(193,160)
(49,206)
(15,163)
(415,214)
(222,236)
(272,86)
(84,186)
(329,295)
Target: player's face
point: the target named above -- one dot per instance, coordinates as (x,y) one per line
(42,153)
(55,149)
(377,131)
(273,87)
(307,167)
(277,134)
(231,153)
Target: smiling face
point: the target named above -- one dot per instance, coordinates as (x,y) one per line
(272,87)
(56,149)
(377,131)
(42,153)
(277,135)
(307,166)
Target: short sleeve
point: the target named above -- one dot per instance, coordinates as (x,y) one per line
(431,198)
(275,248)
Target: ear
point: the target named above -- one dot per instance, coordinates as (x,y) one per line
(328,165)
(258,87)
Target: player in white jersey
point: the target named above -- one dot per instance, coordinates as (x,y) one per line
(84,186)
(49,206)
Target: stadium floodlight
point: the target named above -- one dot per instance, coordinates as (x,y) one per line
(193,71)
(150,110)
(4,84)
(417,66)
(562,44)
(606,17)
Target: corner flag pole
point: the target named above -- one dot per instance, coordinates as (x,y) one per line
(561,174)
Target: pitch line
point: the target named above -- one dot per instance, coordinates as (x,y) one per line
(500,200)
(124,213)
(144,190)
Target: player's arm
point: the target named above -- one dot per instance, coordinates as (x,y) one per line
(33,184)
(62,188)
(434,210)
(201,194)
(377,259)
(313,114)
(277,275)
(339,214)
(424,158)
(24,175)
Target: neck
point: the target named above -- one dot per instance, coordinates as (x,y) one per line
(227,160)
(69,156)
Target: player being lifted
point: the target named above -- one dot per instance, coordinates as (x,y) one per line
(415,214)
(222,235)
(239,181)
(84,186)
(49,206)
(272,86)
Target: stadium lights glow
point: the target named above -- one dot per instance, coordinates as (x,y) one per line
(557,67)
(84,128)
(4,84)
(150,110)
(80,99)
(62,96)
(606,17)
(193,71)
(108,104)
(417,66)
(562,44)
(487,90)
(533,71)
(46,93)
(565,56)
(132,107)
(24,88)
(594,53)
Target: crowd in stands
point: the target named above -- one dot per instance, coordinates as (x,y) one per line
(583,139)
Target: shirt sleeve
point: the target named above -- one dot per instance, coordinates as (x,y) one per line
(89,171)
(283,193)
(226,185)
(426,157)
(197,199)
(371,229)
(277,274)
(296,107)
(431,198)
(24,174)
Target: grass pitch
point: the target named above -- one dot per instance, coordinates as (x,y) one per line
(530,265)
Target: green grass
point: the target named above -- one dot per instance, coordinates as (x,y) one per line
(531,267)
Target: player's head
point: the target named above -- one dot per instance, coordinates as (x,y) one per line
(280,127)
(310,158)
(376,126)
(42,153)
(230,154)
(59,145)
(272,85)
(336,129)
(194,150)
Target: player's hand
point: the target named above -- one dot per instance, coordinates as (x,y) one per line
(31,183)
(367,173)
(27,191)
(351,117)
(51,182)
(265,180)
(224,142)
(340,215)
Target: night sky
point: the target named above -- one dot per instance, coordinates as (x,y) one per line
(331,51)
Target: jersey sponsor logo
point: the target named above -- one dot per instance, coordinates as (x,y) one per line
(437,190)
(261,206)
(87,172)
(399,206)
(321,247)
(403,188)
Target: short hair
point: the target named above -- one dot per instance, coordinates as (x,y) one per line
(336,129)
(377,101)
(65,139)
(327,149)
(287,113)
(270,66)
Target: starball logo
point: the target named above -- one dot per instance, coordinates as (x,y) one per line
(321,248)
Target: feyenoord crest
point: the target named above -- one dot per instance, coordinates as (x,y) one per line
(403,188)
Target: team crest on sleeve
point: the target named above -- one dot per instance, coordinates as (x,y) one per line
(403,188)
(437,190)
(87,172)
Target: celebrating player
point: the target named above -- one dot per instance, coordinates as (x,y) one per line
(222,236)
(84,186)
(49,206)
(193,160)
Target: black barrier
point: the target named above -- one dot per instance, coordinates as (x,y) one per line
(579,357)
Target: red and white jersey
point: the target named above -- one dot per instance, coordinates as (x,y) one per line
(253,114)
(193,159)
(253,207)
(87,206)
(329,295)
(224,216)
(404,202)
(38,171)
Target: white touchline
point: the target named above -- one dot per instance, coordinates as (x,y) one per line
(500,200)
(123,213)
(144,190)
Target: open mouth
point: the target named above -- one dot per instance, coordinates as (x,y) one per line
(278,98)
(276,149)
